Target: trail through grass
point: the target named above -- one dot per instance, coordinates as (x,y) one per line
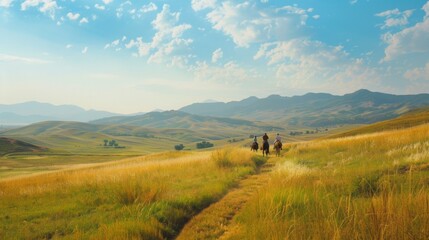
(149,197)
(214,222)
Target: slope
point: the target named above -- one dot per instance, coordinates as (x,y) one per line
(178,119)
(410,119)
(9,145)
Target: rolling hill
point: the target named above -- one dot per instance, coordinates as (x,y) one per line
(315,109)
(87,138)
(410,119)
(182,120)
(9,145)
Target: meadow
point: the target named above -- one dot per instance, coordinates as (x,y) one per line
(369,183)
(369,186)
(148,197)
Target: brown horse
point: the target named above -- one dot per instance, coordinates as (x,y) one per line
(265,148)
(254,147)
(277,147)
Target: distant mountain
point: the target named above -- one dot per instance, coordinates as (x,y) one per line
(178,119)
(31,112)
(315,109)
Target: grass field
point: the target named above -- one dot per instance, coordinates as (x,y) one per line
(149,197)
(372,186)
(67,144)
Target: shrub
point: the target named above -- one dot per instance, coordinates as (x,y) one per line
(204,144)
(179,147)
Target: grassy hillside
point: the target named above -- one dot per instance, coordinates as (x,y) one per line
(410,119)
(148,197)
(182,120)
(84,138)
(371,186)
(8,145)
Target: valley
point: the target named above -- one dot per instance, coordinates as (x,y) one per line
(120,177)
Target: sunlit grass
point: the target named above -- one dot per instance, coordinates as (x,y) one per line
(148,197)
(372,186)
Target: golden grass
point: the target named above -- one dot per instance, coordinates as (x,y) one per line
(149,197)
(372,186)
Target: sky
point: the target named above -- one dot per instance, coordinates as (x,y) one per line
(137,56)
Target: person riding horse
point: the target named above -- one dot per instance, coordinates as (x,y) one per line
(254,146)
(265,145)
(278,141)
(278,145)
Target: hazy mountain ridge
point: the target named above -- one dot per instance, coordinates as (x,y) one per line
(32,112)
(315,109)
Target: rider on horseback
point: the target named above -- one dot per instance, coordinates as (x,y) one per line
(265,137)
(278,141)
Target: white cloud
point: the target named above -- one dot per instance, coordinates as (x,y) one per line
(149,7)
(5,3)
(352,2)
(12,58)
(199,5)
(410,40)
(246,24)
(229,73)
(113,44)
(264,1)
(69,46)
(395,18)
(418,74)
(426,9)
(99,7)
(47,6)
(167,42)
(217,54)
(305,64)
(316,16)
(72,16)
(107,1)
(84,50)
(83,20)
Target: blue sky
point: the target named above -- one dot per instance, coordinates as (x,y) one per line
(134,56)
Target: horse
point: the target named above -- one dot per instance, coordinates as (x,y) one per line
(277,147)
(265,148)
(254,146)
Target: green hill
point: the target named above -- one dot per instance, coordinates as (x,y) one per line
(409,119)
(9,145)
(182,120)
(88,138)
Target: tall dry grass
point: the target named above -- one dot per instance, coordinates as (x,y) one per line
(149,197)
(372,186)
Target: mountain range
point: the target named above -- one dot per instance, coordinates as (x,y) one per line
(32,112)
(311,109)
(315,109)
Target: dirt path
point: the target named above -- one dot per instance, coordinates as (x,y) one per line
(214,222)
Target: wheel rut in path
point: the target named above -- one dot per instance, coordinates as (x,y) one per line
(214,221)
